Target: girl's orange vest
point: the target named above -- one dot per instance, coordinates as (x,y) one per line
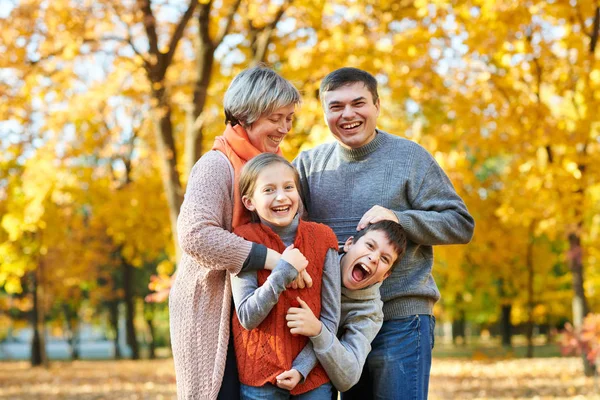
(268,350)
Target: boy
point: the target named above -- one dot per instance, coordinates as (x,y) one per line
(367,260)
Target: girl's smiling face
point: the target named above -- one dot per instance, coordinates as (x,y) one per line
(275,197)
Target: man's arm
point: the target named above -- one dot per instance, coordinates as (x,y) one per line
(300,163)
(438,215)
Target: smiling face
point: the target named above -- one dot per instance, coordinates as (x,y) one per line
(367,261)
(275,197)
(268,131)
(351,114)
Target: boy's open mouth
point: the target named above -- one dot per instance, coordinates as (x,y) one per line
(360,272)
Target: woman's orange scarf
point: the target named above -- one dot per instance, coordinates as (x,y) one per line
(236,146)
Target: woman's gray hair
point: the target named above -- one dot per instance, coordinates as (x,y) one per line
(255,92)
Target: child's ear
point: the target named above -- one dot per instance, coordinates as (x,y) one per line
(388,273)
(247,201)
(348,244)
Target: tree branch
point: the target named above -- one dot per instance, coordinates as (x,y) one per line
(595,31)
(227,26)
(178,34)
(150,26)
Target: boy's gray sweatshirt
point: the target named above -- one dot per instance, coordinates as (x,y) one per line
(361,319)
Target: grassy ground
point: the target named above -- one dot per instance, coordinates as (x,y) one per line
(541,378)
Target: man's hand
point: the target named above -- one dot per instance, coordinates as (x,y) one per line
(294,257)
(302,321)
(376,214)
(289,379)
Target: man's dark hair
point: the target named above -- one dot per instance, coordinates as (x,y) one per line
(347,76)
(394,233)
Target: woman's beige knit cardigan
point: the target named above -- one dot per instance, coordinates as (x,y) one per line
(200,299)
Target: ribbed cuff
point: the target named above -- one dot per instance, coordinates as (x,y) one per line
(286,271)
(404,307)
(405,222)
(323,341)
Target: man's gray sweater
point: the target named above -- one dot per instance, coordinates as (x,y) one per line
(339,185)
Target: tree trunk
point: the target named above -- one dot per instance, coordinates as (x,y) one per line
(580,306)
(459,323)
(168,158)
(113,307)
(506,325)
(72,331)
(130,310)
(530,294)
(149,317)
(38,344)
(205,50)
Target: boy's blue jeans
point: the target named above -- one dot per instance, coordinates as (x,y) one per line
(269,392)
(399,363)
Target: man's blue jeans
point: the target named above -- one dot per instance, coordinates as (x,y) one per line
(399,363)
(272,392)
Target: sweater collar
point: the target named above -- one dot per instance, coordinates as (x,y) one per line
(369,293)
(286,233)
(363,151)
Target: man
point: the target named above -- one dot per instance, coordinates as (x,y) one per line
(368,176)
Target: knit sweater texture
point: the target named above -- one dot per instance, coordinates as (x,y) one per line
(200,299)
(253,302)
(339,185)
(269,349)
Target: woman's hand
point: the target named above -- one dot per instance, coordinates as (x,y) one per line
(289,379)
(302,321)
(273,258)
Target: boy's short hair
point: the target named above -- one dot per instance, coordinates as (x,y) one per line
(394,233)
(347,76)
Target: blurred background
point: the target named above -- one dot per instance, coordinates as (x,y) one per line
(106,105)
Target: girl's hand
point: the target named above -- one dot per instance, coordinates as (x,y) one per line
(294,257)
(302,321)
(302,280)
(288,379)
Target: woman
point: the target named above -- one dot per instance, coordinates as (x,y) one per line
(259,107)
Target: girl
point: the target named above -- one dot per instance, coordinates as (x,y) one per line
(273,363)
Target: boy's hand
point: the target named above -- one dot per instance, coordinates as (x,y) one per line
(288,379)
(294,257)
(302,321)
(376,214)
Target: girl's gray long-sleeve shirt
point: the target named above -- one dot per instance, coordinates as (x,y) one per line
(343,356)
(253,303)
